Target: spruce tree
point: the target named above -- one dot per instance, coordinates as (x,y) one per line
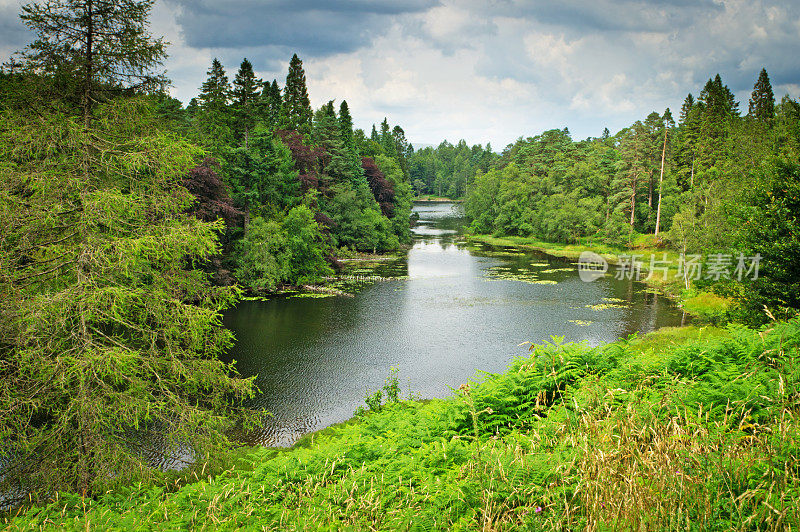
(214,122)
(717,107)
(401,148)
(271,104)
(687,108)
(348,139)
(216,90)
(387,140)
(762,101)
(296,113)
(245,98)
(337,162)
(346,122)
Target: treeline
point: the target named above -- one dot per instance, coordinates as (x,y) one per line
(294,185)
(715,181)
(446,170)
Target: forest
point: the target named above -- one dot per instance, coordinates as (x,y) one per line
(131,222)
(719,181)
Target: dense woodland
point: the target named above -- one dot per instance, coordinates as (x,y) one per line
(715,181)
(131,221)
(293,185)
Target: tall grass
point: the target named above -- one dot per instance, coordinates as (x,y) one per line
(686,429)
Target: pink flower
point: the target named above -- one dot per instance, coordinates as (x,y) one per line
(538,509)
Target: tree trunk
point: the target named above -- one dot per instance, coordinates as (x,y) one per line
(661,181)
(89,67)
(633,200)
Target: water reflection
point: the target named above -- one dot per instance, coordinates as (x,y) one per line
(462,309)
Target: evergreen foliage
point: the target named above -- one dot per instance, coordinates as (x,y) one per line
(296,111)
(111,331)
(245,95)
(104,45)
(762,101)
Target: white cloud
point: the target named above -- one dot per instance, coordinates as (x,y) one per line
(491,71)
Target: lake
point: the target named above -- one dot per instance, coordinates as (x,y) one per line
(455,309)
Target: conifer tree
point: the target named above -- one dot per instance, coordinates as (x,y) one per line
(214,122)
(245,98)
(296,113)
(401,148)
(346,122)
(271,104)
(387,140)
(762,100)
(215,92)
(327,136)
(105,43)
(111,331)
(374,135)
(716,108)
(346,130)
(669,123)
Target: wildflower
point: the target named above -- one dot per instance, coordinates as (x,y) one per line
(538,509)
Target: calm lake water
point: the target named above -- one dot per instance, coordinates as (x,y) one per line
(456,310)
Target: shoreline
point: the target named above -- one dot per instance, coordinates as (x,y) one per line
(703,306)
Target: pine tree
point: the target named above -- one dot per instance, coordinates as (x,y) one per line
(387,140)
(762,101)
(336,159)
(215,92)
(348,139)
(346,122)
(373,136)
(717,107)
(214,122)
(104,42)
(271,104)
(296,113)
(669,123)
(654,126)
(245,98)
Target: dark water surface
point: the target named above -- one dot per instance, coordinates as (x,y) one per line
(458,309)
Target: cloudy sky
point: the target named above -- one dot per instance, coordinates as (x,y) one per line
(482,70)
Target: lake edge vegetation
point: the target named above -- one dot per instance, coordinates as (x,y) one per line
(682,427)
(131,222)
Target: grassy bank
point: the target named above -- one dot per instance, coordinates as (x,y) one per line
(707,306)
(690,428)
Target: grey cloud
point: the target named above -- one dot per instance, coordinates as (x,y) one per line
(12,31)
(609,15)
(313,28)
